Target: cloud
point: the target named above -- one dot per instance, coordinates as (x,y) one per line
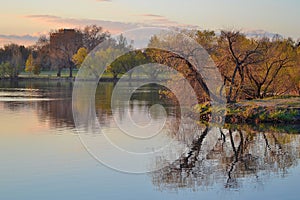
(160,20)
(53,17)
(56,22)
(18,39)
(60,22)
(157,20)
(111,26)
(152,15)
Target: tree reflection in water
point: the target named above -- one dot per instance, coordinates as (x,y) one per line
(236,155)
(226,156)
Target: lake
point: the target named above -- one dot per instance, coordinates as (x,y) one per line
(43,157)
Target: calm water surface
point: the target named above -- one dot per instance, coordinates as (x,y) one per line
(42,157)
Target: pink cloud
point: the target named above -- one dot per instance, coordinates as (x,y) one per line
(59,22)
(114,27)
(152,15)
(111,26)
(160,20)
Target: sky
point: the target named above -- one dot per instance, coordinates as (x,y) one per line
(23,21)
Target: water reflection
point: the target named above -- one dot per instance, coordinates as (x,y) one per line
(234,156)
(231,156)
(51,101)
(141,101)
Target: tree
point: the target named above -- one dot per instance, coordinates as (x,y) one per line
(15,59)
(4,69)
(92,36)
(120,49)
(151,70)
(207,39)
(235,52)
(178,62)
(13,56)
(115,68)
(79,57)
(128,61)
(41,53)
(296,74)
(29,64)
(275,56)
(64,43)
(36,70)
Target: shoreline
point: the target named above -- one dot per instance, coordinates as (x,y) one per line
(73,79)
(270,110)
(275,110)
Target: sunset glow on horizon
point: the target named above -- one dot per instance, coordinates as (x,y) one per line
(23,21)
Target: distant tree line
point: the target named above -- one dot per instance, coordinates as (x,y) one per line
(53,52)
(250,67)
(12,60)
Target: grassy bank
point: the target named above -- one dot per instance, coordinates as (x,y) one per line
(52,75)
(48,74)
(270,110)
(106,76)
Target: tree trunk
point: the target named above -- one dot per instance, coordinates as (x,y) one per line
(229,100)
(115,76)
(59,72)
(71,71)
(258,95)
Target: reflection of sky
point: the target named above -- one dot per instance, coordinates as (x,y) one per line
(51,166)
(19,122)
(39,161)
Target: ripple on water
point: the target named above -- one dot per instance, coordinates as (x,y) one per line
(23,95)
